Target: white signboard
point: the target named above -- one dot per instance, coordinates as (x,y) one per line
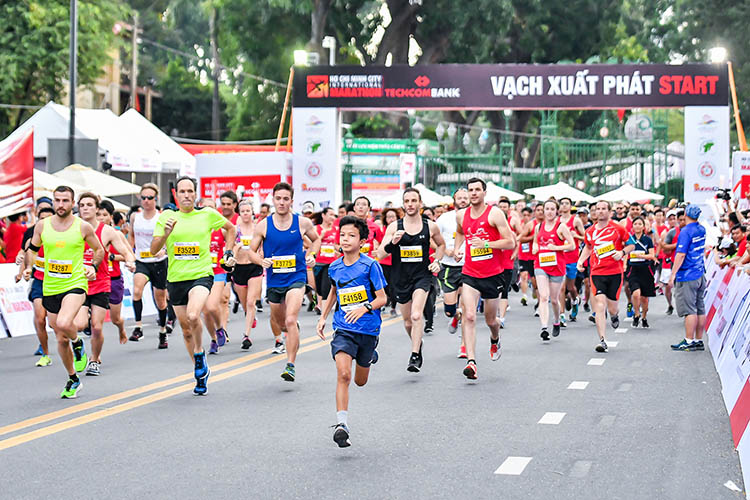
(316,172)
(407,163)
(707,166)
(15,308)
(740,173)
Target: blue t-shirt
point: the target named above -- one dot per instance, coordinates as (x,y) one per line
(642,246)
(691,242)
(355,285)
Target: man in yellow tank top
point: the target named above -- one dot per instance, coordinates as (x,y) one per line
(66,279)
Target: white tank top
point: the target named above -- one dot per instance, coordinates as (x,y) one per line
(143,233)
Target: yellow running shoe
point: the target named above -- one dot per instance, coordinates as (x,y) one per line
(44,361)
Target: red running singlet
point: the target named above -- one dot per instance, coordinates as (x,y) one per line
(481,262)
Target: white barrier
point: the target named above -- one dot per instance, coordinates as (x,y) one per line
(728,336)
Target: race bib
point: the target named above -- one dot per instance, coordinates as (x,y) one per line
(214,258)
(637,256)
(365,248)
(246,242)
(411,253)
(526,247)
(328,251)
(147,255)
(284,263)
(39,264)
(187,250)
(60,268)
(480,253)
(605,249)
(110,267)
(548,259)
(352,297)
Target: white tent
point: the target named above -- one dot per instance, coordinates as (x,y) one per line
(557,191)
(627,192)
(495,192)
(45,184)
(429,198)
(97,182)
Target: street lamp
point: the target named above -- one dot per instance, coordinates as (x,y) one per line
(300,58)
(717,55)
(603,132)
(467,141)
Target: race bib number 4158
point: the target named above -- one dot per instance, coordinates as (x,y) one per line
(352,297)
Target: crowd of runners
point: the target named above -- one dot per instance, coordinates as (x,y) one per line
(206,258)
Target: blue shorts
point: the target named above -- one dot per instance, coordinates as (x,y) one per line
(571,271)
(35,292)
(357,345)
(220,278)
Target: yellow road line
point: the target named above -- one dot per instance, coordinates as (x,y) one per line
(106,412)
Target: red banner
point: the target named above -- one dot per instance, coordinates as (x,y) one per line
(17,174)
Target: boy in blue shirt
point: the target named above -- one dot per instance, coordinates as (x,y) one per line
(358,293)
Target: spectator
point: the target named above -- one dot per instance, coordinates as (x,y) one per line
(13,238)
(744,203)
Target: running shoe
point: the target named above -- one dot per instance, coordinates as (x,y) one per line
(44,361)
(236,306)
(375,357)
(586,307)
(698,345)
(414,363)
(255,322)
(428,330)
(630,310)
(279,348)
(393,312)
(524,301)
(592,317)
(470,370)
(39,351)
(214,349)
(221,337)
(246,343)
(644,323)
(615,321)
(201,387)
(453,327)
(79,354)
(136,335)
(341,435)
(94,369)
(568,304)
(502,322)
(515,286)
(71,389)
(601,346)
(201,366)
(310,306)
(536,310)
(169,325)
(670,310)
(682,345)
(555,330)
(163,340)
(258,306)
(87,331)
(563,323)
(574,311)
(288,373)
(496,350)
(544,334)
(462,352)
(317,311)
(636,321)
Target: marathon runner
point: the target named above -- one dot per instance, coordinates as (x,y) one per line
(148,267)
(552,240)
(634,210)
(485,232)
(450,273)
(187,236)
(508,259)
(408,241)
(668,246)
(66,279)
(605,241)
(389,216)
(329,234)
(362,209)
(358,293)
(525,257)
(583,283)
(569,297)
(285,261)
(247,277)
(97,297)
(117,288)
(640,271)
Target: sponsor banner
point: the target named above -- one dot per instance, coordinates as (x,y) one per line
(243,185)
(509,86)
(316,176)
(149,306)
(254,172)
(15,308)
(16,174)
(407,169)
(374,187)
(707,166)
(741,173)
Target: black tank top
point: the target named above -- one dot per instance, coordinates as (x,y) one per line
(412,255)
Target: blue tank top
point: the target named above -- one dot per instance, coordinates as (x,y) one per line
(288,255)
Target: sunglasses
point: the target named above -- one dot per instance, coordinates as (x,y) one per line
(148,197)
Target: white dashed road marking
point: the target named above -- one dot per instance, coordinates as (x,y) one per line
(596,361)
(621,330)
(578,385)
(513,466)
(552,418)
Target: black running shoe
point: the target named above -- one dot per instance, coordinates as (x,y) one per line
(341,435)
(636,320)
(428,330)
(236,306)
(258,306)
(555,330)
(415,362)
(601,346)
(163,340)
(698,345)
(644,323)
(568,304)
(615,322)
(586,307)
(137,334)
(246,343)
(169,325)
(544,334)
(592,318)
(670,310)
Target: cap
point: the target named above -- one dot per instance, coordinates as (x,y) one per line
(308,206)
(693,211)
(671,213)
(725,243)
(582,210)
(43,199)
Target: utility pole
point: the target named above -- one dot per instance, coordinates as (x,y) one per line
(73,77)
(134,68)
(215,125)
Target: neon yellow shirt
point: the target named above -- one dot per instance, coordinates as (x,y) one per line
(63,253)
(188,243)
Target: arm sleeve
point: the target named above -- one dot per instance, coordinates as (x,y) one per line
(376,276)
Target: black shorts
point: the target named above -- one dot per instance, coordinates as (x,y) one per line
(357,345)
(506,277)
(527,266)
(98,299)
(156,272)
(180,290)
(641,278)
(450,278)
(608,285)
(245,272)
(403,292)
(489,287)
(53,303)
(277,295)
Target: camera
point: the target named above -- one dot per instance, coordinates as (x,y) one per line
(723,194)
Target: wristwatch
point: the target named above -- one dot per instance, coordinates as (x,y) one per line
(368,306)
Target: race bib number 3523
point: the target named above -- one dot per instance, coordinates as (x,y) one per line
(187,250)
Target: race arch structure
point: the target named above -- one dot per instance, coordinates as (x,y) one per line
(322,92)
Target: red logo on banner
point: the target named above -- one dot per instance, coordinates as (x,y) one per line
(422,81)
(317,86)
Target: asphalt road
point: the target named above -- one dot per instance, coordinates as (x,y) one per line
(650,423)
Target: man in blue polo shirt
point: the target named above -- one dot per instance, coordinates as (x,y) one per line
(688,271)
(358,292)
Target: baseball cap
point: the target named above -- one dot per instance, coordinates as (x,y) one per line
(725,243)
(671,213)
(308,207)
(693,211)
(582,210)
